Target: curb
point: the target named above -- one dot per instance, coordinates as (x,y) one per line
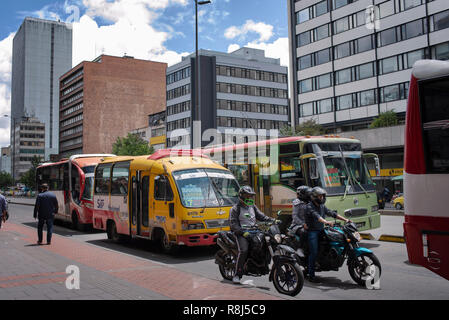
(397,213)
(22,203)
(384,237)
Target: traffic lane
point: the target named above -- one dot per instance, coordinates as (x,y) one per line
(399,280)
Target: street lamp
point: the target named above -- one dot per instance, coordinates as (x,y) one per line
(196,112)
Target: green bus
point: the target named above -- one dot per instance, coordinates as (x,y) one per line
(276,167)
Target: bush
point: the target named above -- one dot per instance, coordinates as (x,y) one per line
(385,119)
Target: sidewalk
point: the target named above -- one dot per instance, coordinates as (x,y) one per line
(32,272)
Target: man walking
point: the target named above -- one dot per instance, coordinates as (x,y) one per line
(45,208)
(3,209)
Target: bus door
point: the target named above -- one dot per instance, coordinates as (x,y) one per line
(163,204)
(135,203)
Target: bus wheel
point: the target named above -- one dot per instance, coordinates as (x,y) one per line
(166,245)
(112,232)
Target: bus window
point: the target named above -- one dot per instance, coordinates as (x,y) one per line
(435,118)
(120,177)
(102,180)
(241,173)
(162,189)
(54,179)
(290,171)
(75,184)
(88,188)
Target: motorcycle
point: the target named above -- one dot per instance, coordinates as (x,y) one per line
(265,245)
(340,243)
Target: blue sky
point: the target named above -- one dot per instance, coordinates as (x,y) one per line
(158,30)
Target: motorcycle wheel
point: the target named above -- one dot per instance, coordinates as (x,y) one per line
(358,268)
(228,269)
(288,278)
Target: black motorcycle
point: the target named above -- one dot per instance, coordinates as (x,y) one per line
(340,243)
(264,246)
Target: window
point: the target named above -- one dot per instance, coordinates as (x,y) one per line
(441,20)
(340,3)
(365,71)
(306,109)
(367,98)
(342,50)
(387,37)
(102,181)
(305,62)
(442,51)
(364,44)
(304,38)
(386,9)
(343,76)
(303,15)
(389,65)
(305,86)
(321,32)
(390,93)
(120,173)
(321,8)
(145,200)
(408,4)
(162,189)
(344,102)
(414,56)
(323,56)
(325,106)
(341,25)
(435,116)
(414,29)
(324,81)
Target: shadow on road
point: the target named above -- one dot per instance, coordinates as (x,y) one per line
(147,249)
(63,229)
(331,283)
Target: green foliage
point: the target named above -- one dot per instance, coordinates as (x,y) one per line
(307,128)
(5,180)
(29,177)
(131,145)
(385,119)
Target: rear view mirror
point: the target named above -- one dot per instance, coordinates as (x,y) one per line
(376,162)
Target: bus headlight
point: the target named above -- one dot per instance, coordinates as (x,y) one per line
(191,225)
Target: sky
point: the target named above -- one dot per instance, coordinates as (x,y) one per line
(157,30)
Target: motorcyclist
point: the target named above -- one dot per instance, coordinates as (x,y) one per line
(315,219)
(298,225)
(243,215)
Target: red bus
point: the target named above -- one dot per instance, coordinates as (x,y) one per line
(71,180)
(426,166)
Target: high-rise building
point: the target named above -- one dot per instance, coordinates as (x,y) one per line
(237,91)
(351,60)
(106,99)
(42,52)
(5,160)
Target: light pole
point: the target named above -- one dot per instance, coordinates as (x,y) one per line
(196,111)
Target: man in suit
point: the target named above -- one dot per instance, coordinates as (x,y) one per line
(45,209)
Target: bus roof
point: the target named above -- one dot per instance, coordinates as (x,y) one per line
(428,69)
(253,144)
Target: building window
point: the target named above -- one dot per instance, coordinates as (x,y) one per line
(325,106)
(344,102)
(441,20)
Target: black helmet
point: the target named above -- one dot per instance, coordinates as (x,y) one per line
(303,193)
(245,191)
(316,192)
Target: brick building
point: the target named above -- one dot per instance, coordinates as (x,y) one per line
(105,99)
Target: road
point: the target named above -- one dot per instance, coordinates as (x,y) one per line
(399,280)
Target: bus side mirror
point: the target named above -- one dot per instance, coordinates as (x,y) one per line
(313,168)
(376,161)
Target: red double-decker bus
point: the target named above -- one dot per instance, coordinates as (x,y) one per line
(72,180)
(426,166)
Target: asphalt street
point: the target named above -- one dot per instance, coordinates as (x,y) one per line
(399,279)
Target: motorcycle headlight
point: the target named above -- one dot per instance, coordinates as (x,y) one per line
(357,236)
(278,238)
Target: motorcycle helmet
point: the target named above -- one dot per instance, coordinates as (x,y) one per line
(316,193)
(246,195)
(303,193)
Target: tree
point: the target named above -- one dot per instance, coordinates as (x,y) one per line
(385,119)
(5,180)
(307,128)
(131,145)
(29,177)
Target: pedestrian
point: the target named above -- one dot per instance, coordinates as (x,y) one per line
(44,210)
(3,209)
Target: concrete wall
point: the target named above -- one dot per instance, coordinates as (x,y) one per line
(379,138)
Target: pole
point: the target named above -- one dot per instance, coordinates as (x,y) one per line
(196,113)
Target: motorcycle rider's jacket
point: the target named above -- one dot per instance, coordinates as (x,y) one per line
(241,215)
(298,214)
(314,212)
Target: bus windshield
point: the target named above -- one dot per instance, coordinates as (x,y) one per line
(206,188)
(341,168)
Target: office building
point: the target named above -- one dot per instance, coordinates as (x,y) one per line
(237,91)
(106,99)
(5,160)
(42,52)
(351,60)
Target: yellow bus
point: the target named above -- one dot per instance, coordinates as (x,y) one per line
(174,197)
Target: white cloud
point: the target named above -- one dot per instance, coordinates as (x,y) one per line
(278,49)
(264,30)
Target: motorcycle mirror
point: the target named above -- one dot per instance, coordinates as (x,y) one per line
(279,213)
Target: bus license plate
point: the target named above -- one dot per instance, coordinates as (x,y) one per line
(360,224)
